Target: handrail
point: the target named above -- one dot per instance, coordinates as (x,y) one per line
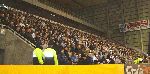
(23,38)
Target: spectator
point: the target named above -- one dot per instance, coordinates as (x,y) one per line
(71,45)
(74,58)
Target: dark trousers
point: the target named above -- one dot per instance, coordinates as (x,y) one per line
(49,61)
(35,61)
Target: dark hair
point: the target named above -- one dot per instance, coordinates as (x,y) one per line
(38,46)
(50,46)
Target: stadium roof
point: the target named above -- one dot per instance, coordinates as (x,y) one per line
(78,4)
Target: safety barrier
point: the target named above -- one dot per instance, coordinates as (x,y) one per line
(62,69)
(76,69)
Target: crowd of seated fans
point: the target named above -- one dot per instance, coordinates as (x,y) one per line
(73,46)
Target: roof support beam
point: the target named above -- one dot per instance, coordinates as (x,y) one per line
(77,3)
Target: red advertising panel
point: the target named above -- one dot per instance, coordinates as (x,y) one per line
(137,25)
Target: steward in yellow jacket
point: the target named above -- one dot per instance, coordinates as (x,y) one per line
(138,61)
(50,57)
(38,56)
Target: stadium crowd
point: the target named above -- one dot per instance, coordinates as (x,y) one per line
(73,46)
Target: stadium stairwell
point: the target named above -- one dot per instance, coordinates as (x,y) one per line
(17,51)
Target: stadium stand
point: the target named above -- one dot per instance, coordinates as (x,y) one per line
(73,46)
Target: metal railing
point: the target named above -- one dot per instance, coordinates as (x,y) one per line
(23,38)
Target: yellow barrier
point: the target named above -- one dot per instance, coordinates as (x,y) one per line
(62,69)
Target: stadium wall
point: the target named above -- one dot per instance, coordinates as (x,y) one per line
(16,51)
(63,69)
(109,15)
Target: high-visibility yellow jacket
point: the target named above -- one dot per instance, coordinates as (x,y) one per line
(137,61)
(51,53)
(39,54)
